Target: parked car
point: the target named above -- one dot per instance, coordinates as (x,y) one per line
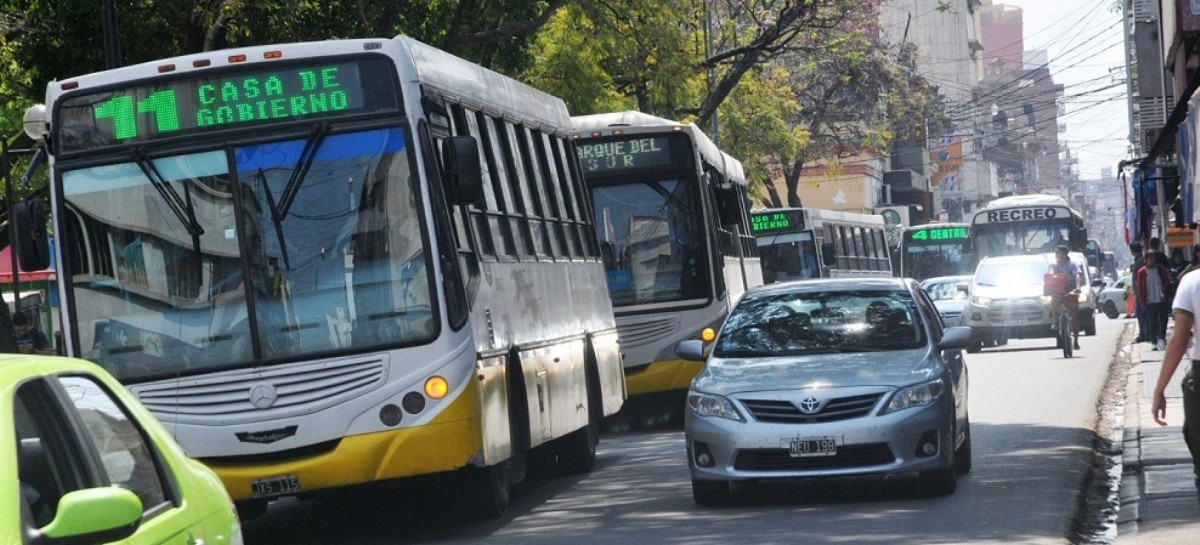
(829,377)
(1112,299)
(83,461)
(949,295)
(1007,301)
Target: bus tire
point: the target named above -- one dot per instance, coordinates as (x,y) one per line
(577,451)
(487,490)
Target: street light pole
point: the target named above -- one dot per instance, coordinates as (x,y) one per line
(112,35)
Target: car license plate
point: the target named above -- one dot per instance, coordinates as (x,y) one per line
(275,486)
(803,447)
(1016,321)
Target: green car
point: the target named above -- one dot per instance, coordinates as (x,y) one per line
(82,461)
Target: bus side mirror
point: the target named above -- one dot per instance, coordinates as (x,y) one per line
(827,254)
(729,208)
(33,246)
(463,174)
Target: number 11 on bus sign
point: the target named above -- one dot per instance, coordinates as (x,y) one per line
(120,109)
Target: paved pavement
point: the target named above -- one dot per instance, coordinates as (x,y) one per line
(1158,499)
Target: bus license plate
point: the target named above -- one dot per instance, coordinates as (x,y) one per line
(811,447)
(275,486)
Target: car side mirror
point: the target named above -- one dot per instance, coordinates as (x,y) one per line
(957,337)
(963,286)
(692,349)
(95,515)
(1097,283)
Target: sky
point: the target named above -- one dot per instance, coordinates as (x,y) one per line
(1085,46)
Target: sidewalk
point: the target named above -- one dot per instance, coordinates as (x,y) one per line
(1158,497)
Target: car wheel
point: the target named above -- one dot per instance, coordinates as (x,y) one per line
(1089,327)
(941,482)
(710,493)
(1110,310)
(962,455)
(974,347)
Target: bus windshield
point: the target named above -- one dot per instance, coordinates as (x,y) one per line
(1020,238)
(652,240)
(303,246)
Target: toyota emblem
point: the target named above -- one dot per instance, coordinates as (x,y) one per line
(809,405)
(263,395)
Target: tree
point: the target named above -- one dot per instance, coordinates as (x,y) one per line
(855,94)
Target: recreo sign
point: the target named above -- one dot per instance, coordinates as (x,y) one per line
(1033,213)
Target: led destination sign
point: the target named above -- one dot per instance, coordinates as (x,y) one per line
(212,101)
(934,235)
(612,155)
(780,221)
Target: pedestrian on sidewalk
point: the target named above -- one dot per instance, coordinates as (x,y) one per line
(1139,260)
(1153,286)
(1186,305)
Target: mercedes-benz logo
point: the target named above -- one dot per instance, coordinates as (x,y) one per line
(809,405)
(263,395)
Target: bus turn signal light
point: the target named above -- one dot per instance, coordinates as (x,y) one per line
(436,387)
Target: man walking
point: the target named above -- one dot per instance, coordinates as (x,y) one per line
(1139,261)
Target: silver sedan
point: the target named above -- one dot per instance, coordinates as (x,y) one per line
(829,378)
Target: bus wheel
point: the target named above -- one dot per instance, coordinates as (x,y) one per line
(487,490)
(577,451)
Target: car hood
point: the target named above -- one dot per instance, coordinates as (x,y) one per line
(890,368)
(1007,292)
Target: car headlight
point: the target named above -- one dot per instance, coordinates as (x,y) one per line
(981,301)
(917,395)
(713,405)
(1045,299)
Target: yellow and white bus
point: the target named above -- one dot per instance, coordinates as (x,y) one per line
(332,263)
(671,216)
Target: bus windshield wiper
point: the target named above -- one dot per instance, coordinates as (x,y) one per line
(280,208)
(180,206)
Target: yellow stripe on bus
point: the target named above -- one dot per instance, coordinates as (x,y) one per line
(446,443)
(663,376)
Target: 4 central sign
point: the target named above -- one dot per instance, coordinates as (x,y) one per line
(1031,213)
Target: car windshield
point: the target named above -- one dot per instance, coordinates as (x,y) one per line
(798,323)
(944,290)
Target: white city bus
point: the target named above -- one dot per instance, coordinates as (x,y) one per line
(1025,224)
(798,243)
(332,263)
(671,217)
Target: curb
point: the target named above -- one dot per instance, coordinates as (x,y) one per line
(1130,496)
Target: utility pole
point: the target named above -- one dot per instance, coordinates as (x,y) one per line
(112,35)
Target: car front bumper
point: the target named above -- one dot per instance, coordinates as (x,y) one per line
(871,444)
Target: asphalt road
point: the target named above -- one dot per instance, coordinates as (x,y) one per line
(1031,418)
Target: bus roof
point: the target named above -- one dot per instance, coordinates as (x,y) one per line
(634,122)
(455,77)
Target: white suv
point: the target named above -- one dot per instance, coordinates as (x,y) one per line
(1007,302)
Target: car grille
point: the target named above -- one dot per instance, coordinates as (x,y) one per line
(951,317)
(784,412)
(848,456)
(1030,311)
